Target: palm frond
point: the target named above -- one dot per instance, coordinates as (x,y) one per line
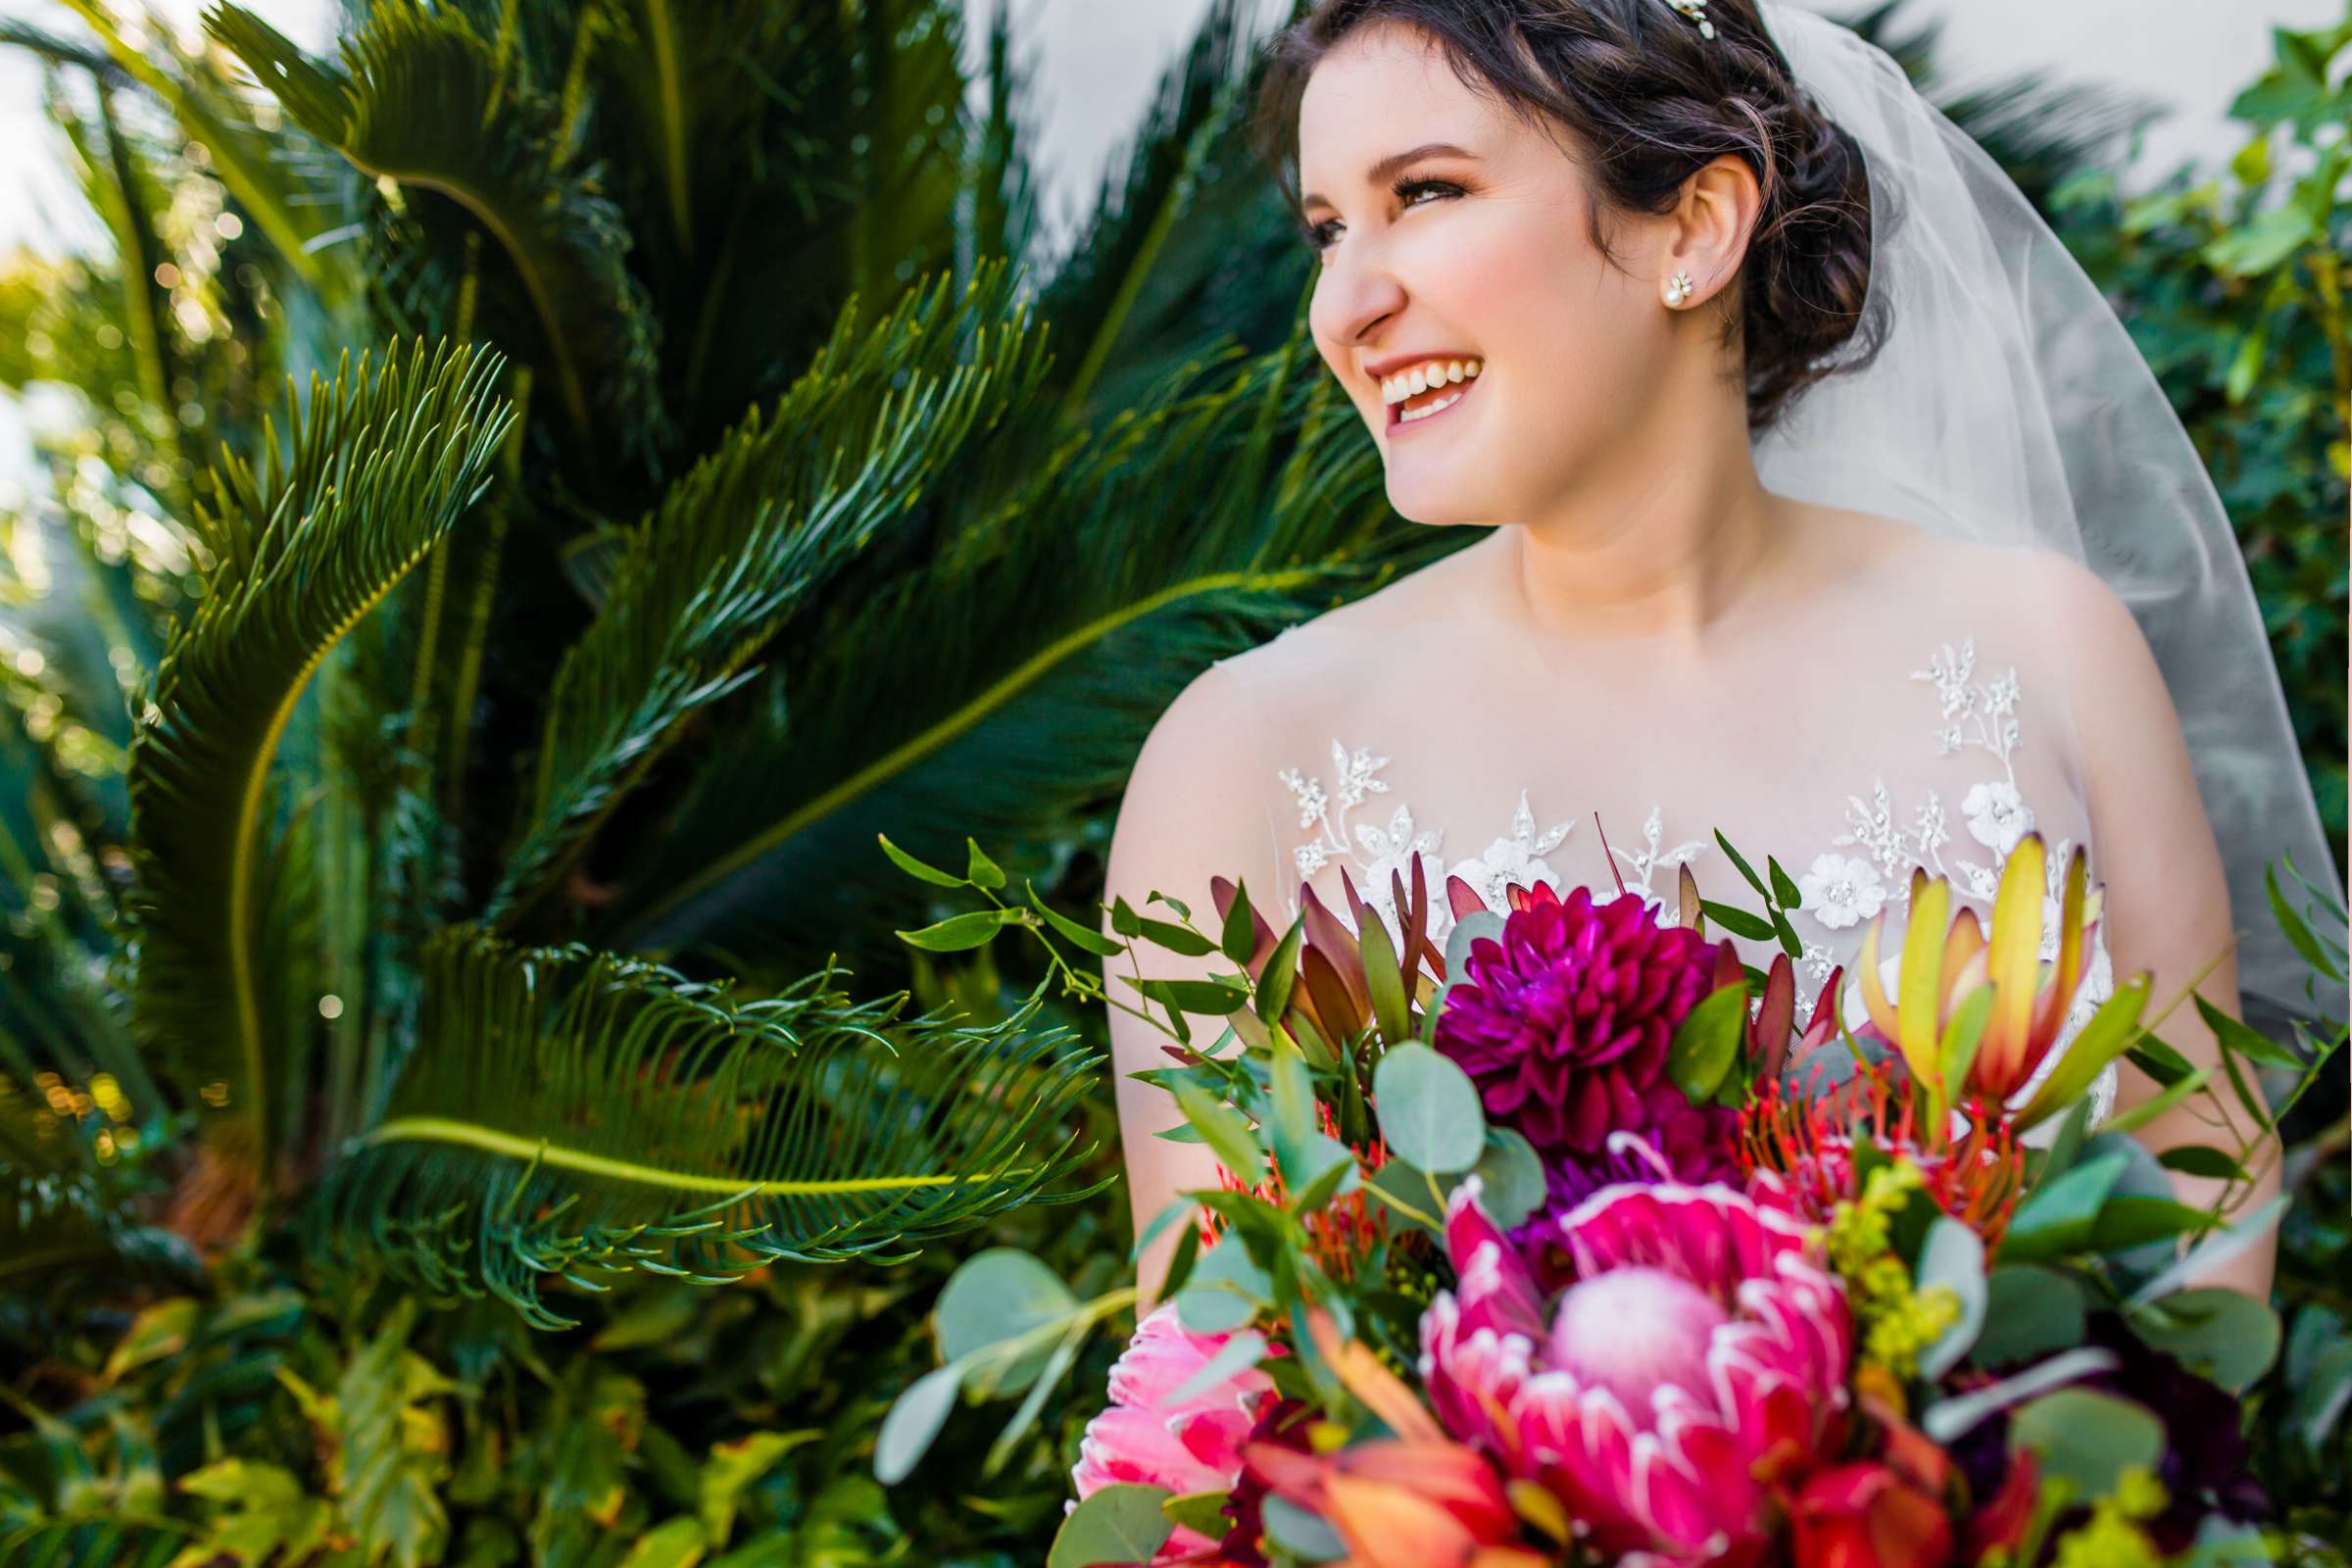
(381,466)
(1010,679)
(419,99)
(739,546)
(576,1114)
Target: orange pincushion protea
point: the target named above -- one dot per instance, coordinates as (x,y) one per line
(1344,1230)
(1809,1141)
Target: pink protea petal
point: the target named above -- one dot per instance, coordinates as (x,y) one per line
(1661,1436)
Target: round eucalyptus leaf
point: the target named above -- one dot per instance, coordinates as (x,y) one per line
(1512,1176)
(914,1419)
(1117,1523)
(2214,1331)
(2089,1438)
(998,1294)
(1429,1110)
(1953,1257)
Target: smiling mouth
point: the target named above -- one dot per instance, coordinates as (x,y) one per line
(1423,407)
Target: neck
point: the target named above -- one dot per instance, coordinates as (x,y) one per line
(1669,534)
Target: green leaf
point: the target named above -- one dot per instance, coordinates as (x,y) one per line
(1385,983)
(958,932)
(1239,938)
(742,549)
(2246,1041)
(672,1543)
(734,1466)
(1784,891)
(1225,1130)
(1210,999)
(382,465)
(913,1421)
(994,1297)
(1302,1533)
(1281,972)
(982,871)
(1429,1110)
(2087,1437)
(2129,1219)
(1120,1523)
(1706,1043)
(2107,1034)
(570,1114)
(1953,1259)
(918,869)
(1090,941)
(2201,1160)
(1202,1511)
(1738,921)
(1233,1357)
(1510,1177)
(1226,1290)
(2057,1217)
(1178,939)
(2216,1332)
(1739,862)
(2029,1311)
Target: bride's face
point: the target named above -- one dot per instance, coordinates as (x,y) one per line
(1483,252)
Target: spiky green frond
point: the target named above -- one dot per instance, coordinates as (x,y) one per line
(1009,678)
(419,98)
(575,1114)
(744,542)
(381,466)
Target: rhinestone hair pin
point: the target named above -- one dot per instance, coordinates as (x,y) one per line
(1697,11)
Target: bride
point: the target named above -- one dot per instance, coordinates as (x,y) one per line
(1814,493)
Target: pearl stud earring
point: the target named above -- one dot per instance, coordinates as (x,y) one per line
(1678,288)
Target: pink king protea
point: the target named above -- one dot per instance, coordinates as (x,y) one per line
(1192,1445)
(1697,1367)
(1565,1025)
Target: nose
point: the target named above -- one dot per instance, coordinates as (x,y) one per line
(1355,301)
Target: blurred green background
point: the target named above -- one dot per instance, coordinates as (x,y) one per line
(358,1201)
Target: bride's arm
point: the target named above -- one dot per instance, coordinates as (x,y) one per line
(1194,807)
(2166,896)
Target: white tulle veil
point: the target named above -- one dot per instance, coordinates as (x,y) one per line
(2009,404)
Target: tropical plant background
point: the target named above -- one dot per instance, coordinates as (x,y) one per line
(523,504)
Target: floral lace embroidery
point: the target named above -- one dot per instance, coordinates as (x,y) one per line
(1865,869)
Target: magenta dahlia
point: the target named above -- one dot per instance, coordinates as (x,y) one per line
(1565,1025)
(1696,1363)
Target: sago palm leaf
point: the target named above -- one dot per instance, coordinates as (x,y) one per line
(420,99)
(739,546)
(1011,679)
(381,466)
(576,1114)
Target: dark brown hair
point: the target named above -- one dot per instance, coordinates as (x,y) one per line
(1649,102)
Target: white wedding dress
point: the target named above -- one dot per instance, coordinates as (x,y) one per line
(1859,741)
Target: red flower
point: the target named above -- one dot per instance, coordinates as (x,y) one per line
(1866,1515)
(1564,1024)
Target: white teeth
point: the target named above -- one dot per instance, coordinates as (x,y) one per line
(1410,414)
(1421,378)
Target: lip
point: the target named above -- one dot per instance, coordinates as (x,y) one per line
(1381,369)
(1395,425)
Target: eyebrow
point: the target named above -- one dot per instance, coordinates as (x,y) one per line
(1380,170)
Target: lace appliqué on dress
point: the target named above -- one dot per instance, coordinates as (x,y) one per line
(1846,886)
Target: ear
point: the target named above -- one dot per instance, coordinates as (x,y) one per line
(1707,232)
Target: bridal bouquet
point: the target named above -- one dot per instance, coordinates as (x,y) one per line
(1571,1244)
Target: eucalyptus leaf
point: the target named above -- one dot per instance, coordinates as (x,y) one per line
(995,1296)
(1510,1174)
(1429,1110)
(2087,1437)
(2216,1332)
(1953,1257)
(2029,1311)
(913,1421)
(1121,1523)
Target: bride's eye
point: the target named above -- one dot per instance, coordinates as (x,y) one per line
(1319,236)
